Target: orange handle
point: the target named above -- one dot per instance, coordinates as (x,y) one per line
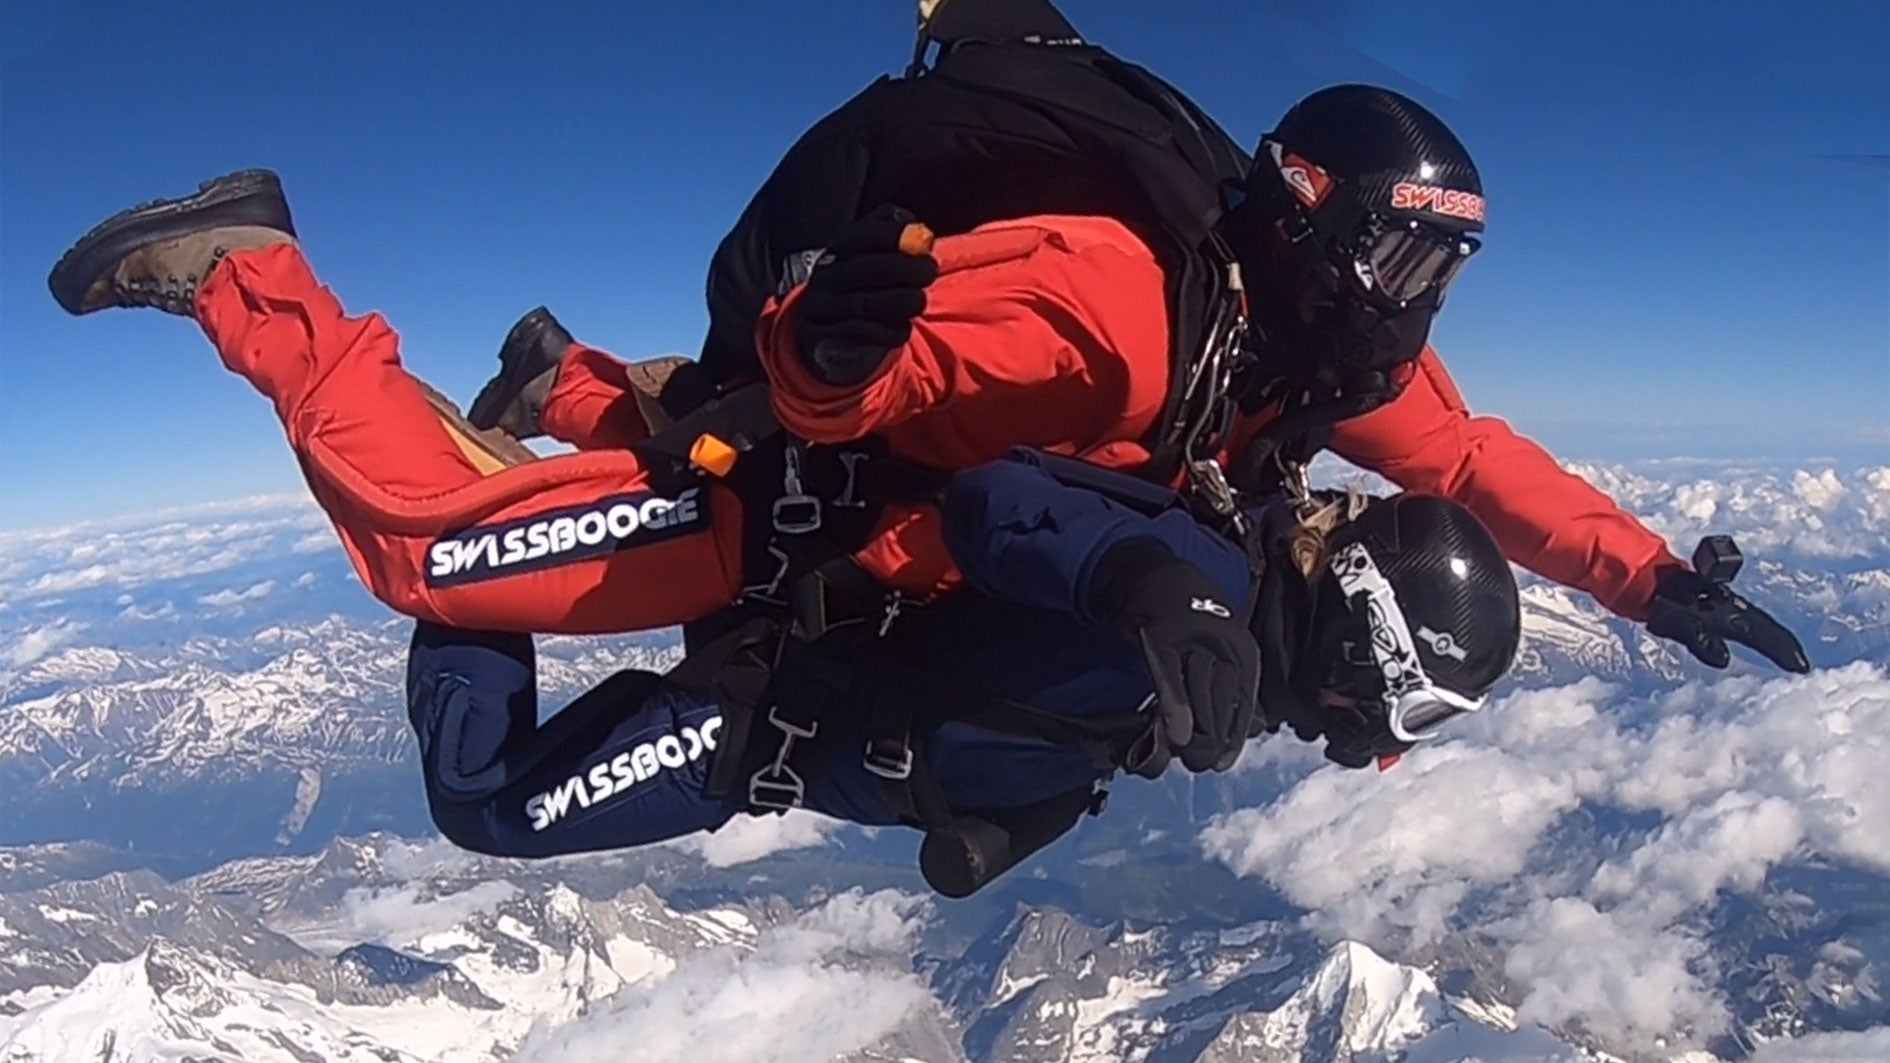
(712,456)
(916,239)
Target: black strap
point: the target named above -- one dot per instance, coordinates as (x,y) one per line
(925,696)
(743,418)
(737,668)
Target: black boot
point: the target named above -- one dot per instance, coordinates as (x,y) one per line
(513,400)
(159,253)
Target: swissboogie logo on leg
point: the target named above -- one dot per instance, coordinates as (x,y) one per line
(562,536)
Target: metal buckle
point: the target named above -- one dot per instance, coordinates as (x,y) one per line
(791,729)
(897,769)
(766,592)
(851,459)
(788,784)
(895,602)
(1220,495)
(786,520)
(795,499)
(776,777)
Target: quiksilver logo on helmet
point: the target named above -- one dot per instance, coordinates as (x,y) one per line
(1309,182)
(562,536)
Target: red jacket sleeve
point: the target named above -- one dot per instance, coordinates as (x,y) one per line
(1051,330)
(1547,520)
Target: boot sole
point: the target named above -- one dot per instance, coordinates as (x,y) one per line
(516,368)
(247,197)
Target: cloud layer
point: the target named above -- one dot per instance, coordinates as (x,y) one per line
(745,839)
(1736,777)
(802,994)
(139,550)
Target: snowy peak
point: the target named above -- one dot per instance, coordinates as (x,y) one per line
(1355,1003)
(172,1003)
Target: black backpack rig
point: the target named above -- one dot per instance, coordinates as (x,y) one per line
(1014,116)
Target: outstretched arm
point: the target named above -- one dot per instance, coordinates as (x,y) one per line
(1548,520)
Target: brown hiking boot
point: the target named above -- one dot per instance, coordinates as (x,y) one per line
(158,254)
(513,401)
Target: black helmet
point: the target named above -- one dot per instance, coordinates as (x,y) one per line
(1416,616)
(1357,214)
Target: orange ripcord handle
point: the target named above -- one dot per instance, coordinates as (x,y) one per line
(916,239)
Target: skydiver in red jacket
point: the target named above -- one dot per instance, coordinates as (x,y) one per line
(1049,332)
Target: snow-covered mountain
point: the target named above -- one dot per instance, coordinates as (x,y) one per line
(385,950)
(1634,853)
(204,688)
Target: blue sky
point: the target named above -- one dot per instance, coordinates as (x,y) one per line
(1672,267)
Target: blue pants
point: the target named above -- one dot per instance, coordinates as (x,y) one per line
(626,764)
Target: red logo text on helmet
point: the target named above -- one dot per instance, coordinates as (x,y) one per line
(1310,183)
(1450,202)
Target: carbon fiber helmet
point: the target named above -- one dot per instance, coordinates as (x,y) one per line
(1416,617)
(1358,212)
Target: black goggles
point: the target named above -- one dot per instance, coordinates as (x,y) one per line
(1395,259)
(1400,260)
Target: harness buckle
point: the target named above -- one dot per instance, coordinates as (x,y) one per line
(850,497)
(1207,474)
(777,787)
(776,793)
(796,514)
(769,591)
(889,759)
(894,603)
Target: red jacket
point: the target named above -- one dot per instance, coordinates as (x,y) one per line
(1052,332)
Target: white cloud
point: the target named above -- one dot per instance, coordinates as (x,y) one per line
(1742,773)
(749,838)
(41,641)
(1864,1046)
(1816,513)
(229,597)
(146,549)
(1590,968)
(835,981)
(315,543)
(402,914)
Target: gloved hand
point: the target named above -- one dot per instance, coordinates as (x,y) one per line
(1356,738)
(861,299)
(1701,615)
(1202,658)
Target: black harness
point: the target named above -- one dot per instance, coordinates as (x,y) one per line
(1005,123)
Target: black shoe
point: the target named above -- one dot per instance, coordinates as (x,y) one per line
(514,399)
(159,253)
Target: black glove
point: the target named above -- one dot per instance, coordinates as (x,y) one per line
(1356,738)
(861,299)
(1701,615)
(1202,658)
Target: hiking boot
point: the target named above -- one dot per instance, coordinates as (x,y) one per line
(514,399)
(159,253)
